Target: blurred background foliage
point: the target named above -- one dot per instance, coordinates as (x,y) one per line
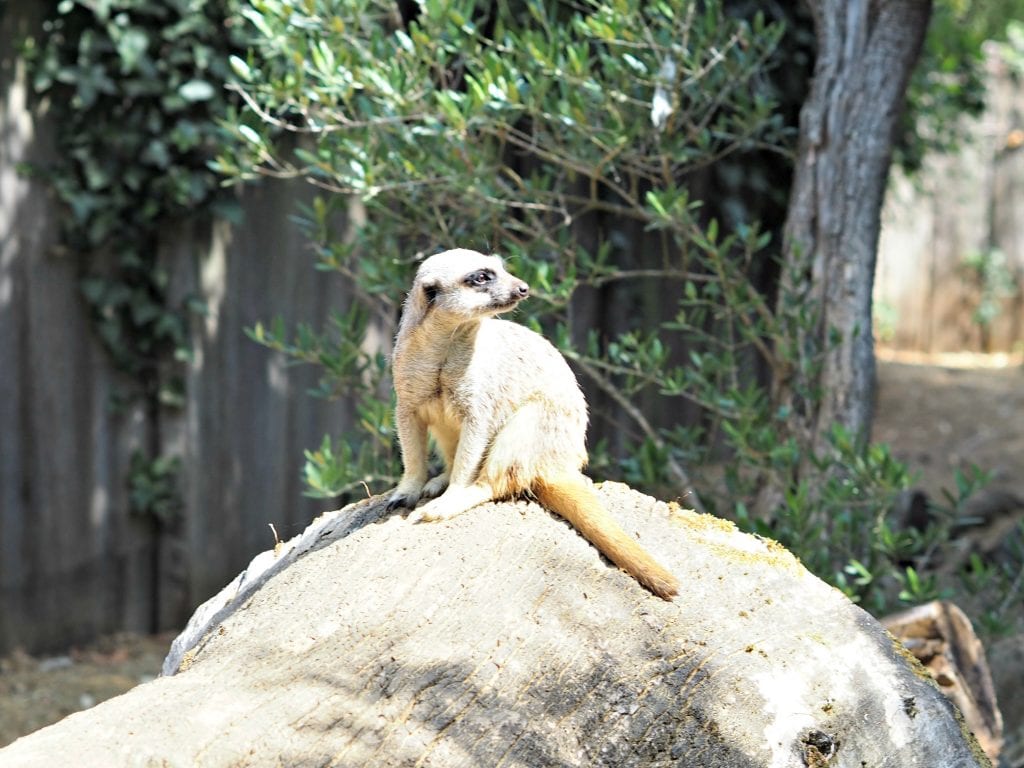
(137,89)
(136,92)
(948,82)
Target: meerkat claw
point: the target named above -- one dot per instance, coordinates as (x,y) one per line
(400,502)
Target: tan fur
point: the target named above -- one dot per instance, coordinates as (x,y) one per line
(505,410)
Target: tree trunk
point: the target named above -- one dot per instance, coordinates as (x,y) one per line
(866,51)
(500,638)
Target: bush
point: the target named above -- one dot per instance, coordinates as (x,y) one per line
(556,135)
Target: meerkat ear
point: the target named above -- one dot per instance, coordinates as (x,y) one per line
(430,291)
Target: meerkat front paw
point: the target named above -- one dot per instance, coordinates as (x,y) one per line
(435,486)
(432,512)
(405,495)
(454,501)
(400,501)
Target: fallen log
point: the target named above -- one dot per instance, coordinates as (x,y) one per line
(501,638)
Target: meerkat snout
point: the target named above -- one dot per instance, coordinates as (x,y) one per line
(517,291)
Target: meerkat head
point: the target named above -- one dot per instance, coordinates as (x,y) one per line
(465,284)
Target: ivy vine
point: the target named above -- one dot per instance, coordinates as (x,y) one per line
(135,90)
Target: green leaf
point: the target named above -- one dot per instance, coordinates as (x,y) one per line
(240,67)
(250,135)
(196,90)
(132,46)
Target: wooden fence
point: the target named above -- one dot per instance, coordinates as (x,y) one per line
(962,208)
(74,562)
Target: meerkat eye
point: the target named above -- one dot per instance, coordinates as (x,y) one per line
(480,277)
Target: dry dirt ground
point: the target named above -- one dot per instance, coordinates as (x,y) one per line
(936,417)
(941,417)
(38,691)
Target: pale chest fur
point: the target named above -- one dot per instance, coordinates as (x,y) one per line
(482,374)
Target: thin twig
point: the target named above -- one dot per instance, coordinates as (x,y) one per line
(676,470)
(1011,593)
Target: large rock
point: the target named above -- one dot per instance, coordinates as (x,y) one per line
(502,638)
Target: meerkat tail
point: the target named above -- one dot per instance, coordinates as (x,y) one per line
(573,499)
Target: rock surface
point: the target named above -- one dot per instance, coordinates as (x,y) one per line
(501,638)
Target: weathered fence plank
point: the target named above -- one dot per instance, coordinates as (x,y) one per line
(248,416)
(74,562)
(958,206)
(68,566)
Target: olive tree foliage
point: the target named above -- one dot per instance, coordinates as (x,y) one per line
(522,129)
(563,135)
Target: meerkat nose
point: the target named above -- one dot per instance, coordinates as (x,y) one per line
(522,290)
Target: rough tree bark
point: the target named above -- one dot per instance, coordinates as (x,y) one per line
(866,51)
(501,638)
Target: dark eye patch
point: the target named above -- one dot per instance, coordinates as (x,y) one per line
(480,278)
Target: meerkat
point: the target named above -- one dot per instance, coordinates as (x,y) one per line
(506,412)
